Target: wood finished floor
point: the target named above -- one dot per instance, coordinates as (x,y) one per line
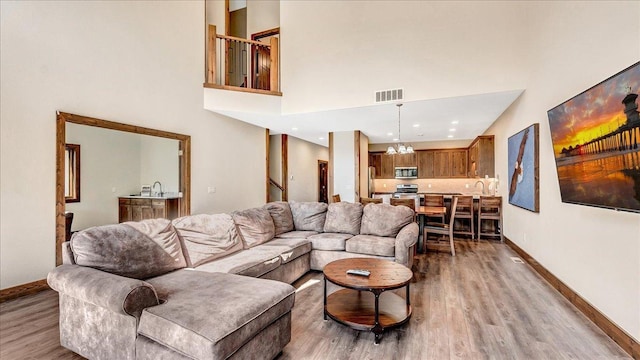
(476,305)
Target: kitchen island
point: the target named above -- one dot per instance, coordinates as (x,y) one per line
(136,207)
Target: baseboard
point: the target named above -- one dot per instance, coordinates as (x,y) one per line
(626,342)
(23,290)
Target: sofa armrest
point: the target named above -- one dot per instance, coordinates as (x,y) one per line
(113,292)
(406,238)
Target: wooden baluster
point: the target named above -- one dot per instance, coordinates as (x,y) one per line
(273,54)
(211,55)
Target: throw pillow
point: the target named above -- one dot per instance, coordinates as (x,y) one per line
(281,215)
(343,217)
(254,225)
(308,216)
(384,219)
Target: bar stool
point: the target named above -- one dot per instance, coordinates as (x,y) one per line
(490,208)
(364,201)
(464,211)
(434,200)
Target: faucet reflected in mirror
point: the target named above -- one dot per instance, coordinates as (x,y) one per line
(481,183)
(153,187)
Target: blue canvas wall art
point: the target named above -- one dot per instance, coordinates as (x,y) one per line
(523,175)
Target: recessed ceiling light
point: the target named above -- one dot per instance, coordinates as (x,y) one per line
(452,130)
(416,125)
(454,122)
(389,134)
(396,139)
(294,129)
(320,138)
(450,136)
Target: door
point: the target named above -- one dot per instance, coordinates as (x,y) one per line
(323,168)
(261,59)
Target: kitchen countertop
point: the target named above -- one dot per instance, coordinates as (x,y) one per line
(149,197)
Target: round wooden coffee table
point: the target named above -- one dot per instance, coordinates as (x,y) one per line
(366,304)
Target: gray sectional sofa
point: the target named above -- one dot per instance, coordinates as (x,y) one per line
(211,286)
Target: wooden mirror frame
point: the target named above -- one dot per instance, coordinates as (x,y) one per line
(62,118)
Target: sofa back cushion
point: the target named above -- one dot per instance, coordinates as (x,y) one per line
(207,237)
(343,217)
(254,225)
(384,219)
(137,250)
(308,216)
(281,215)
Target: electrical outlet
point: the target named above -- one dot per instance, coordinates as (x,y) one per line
(211,189)
(384,185)
(113,189)
(466,186)
(429,186)
(524,237)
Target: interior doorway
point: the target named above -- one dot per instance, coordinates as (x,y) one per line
(323,176)
(261,59)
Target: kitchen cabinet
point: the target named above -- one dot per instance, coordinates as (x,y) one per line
(442,164)
(387,167)
(137,209)
(404,160)
(458,163)
(375,160)
(425,164)
(450,163)
(481,157)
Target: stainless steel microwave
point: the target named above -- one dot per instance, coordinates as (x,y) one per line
(410,172)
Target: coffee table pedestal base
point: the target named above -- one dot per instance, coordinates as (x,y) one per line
(374,310)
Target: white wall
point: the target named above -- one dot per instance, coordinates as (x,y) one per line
(596,252)
(108,160)
(363,162)
(262,15)
(344,171)
(303,168)
(159,161)
(135,62)
(432,49)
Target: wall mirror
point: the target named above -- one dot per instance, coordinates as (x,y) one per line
(117,160)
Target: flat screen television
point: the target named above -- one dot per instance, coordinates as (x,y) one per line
(596,143)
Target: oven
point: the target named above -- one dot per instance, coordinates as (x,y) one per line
(408,191)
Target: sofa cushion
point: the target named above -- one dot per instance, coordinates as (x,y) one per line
(207,237)
(384,219)
(308,215)
(372,245)
(133,249)
(329,241)
(281,215)
(290,248)
(254,262)
(296,234)
(343,217)
(212,315)
(255,226)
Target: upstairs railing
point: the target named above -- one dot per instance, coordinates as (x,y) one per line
(240,64)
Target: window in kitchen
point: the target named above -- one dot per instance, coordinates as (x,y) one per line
(71,173)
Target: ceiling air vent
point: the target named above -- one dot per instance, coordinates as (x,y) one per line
(389,95)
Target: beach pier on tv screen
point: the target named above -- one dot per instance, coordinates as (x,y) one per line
(596,143)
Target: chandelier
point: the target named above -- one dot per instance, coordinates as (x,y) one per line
(399,148)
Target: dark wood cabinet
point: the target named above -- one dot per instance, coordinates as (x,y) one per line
(442,164)
(387,167)
(425,164)
(404,160)
(458,163)
(481,157)
(375,160)
(137,209)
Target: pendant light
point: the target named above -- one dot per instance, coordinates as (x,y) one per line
(399,147)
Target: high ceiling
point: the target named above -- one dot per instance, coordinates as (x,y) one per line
(454,118)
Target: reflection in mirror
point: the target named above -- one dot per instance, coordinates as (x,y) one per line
(117,159)
(71,173)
